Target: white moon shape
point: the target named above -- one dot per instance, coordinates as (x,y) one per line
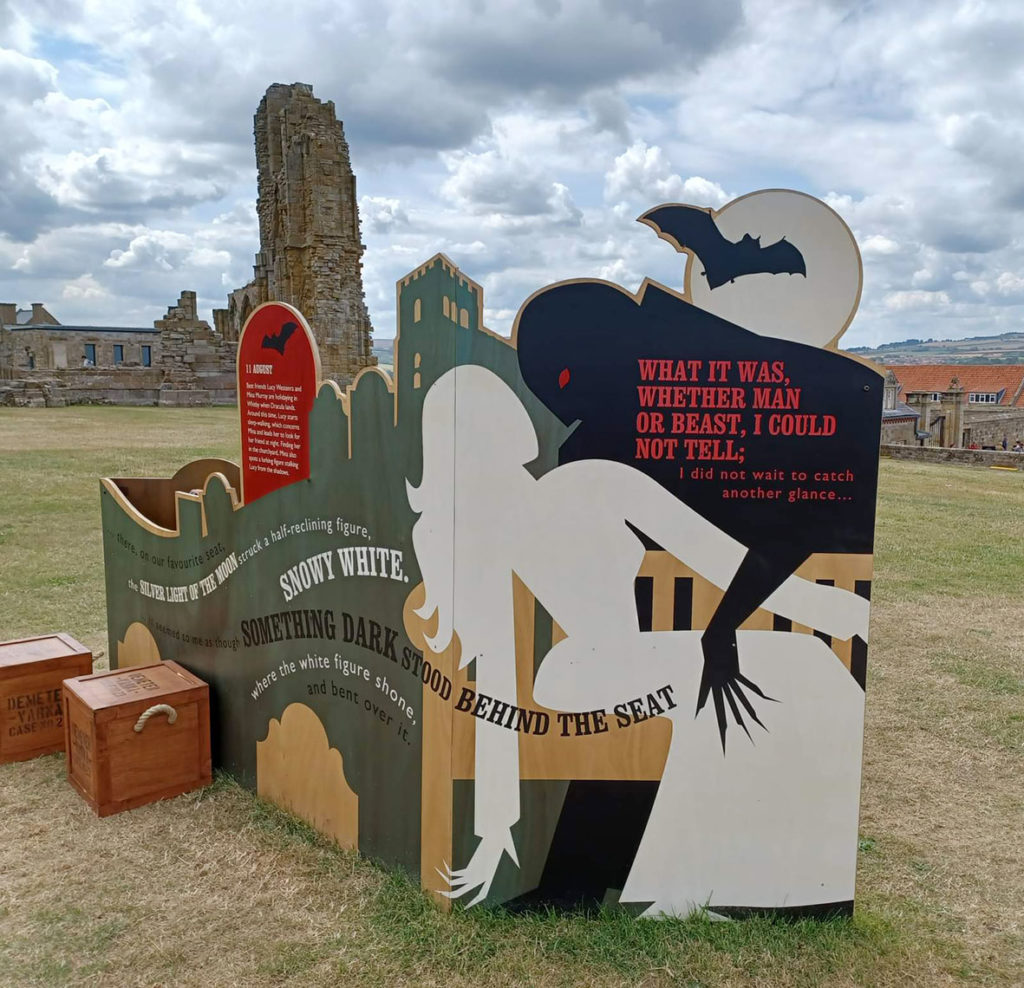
(815,309)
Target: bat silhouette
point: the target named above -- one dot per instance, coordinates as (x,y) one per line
(277,341)
(693,228)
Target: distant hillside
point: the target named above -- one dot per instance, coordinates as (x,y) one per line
(1007,348)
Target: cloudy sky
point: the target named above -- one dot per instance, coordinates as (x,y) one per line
(520,137)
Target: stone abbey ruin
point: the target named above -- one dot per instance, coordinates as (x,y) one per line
(310,248)
(310,256)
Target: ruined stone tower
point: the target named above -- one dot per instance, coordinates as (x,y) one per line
(310,248)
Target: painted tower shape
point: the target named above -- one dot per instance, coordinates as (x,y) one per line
(310,247)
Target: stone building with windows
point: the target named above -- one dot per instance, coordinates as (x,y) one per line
(179,360)
(964,404)
(35,340)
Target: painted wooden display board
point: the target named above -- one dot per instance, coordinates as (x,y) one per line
(579,616)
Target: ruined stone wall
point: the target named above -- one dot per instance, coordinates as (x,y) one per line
(83,386)
(180,361)
(197,364)
(229,322)
(310,249)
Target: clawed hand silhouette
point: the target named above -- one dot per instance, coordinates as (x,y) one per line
(724,683)
(480,871)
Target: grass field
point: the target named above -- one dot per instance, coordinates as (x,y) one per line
(216,888)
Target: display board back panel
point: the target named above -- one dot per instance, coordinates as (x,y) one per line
(576,616)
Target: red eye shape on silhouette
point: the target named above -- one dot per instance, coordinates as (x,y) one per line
(563,378)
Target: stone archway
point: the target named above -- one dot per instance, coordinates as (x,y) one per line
(246,311)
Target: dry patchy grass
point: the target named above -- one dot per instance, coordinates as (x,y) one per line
(216,888)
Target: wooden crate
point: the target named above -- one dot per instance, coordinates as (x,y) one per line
(121,753)
(31,710)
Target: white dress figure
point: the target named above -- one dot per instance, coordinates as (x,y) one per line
(483,517)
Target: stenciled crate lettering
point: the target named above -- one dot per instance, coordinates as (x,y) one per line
(81,748)
(130,685)
(31,708)
(32,712)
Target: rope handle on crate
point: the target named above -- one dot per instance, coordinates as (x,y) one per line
(160,708)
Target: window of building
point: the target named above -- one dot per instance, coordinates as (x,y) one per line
(983,398)
(89,358)
(936,396)
(118,353)
(147,356)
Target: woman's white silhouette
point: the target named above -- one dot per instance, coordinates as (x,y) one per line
(483,517)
